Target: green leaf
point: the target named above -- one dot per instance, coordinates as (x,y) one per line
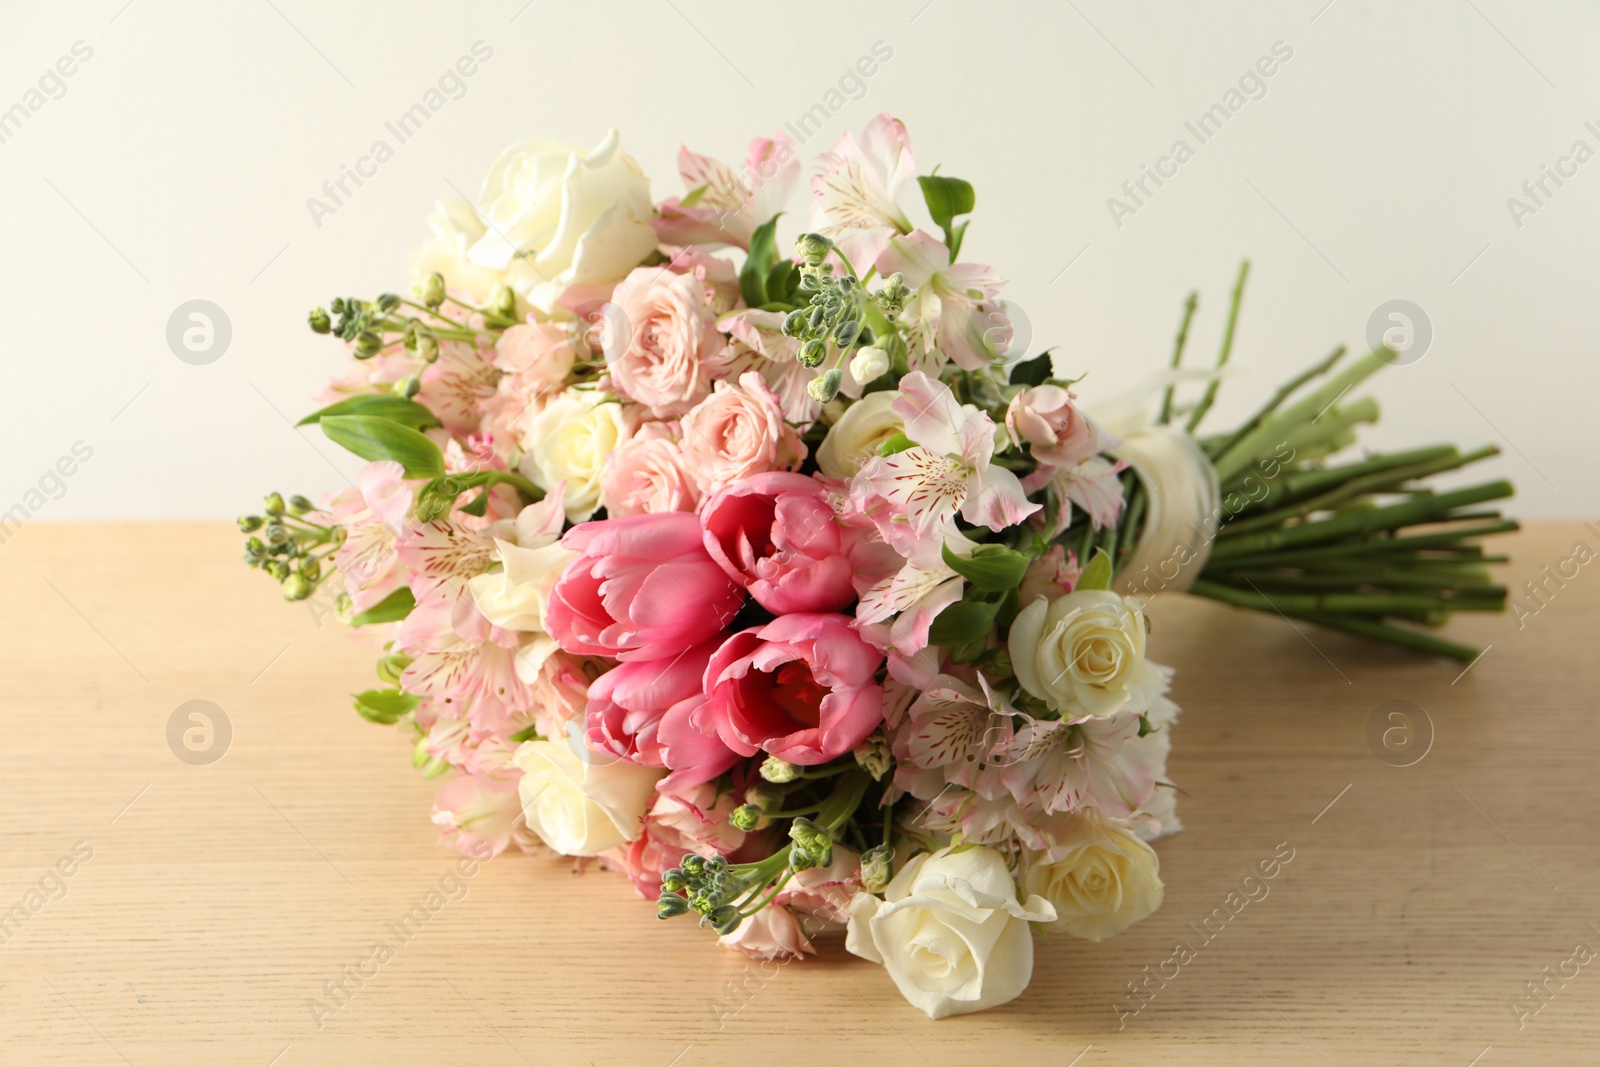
(383,405)
(990,568)
(1144,726)
(392,608)
(898,443)
(385,705)
(783,283)
(374,438)
(946,198)
(963,623)
(694,196)
(763,255)
(1035,371)
(1097,575)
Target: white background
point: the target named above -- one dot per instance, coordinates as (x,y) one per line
(178,163)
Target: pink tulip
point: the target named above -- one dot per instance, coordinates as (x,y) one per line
(776,535)
(642,588)
(801,688)
(628,702)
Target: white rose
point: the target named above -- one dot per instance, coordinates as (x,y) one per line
(456,228)
(579,806)
(515,596)
(857,436)
(568,440)
(950,931)
(1084,654)
(557,217)
(1101,880)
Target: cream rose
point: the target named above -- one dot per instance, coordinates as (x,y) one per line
(1083,655)
(582,805)
(859,433)
(1102,879)
(568,440)
(950,931)
(456,228)
(557,217)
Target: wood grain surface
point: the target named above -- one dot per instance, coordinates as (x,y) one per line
(209,905)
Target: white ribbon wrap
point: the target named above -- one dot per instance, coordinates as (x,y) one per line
(1182,509)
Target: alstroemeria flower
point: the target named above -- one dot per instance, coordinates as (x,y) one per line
(853,199)
(948,471)
(954,312)
(730,204)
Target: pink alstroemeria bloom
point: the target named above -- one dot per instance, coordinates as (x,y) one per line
(948,470)
(374,516)
(800,688)
(1092,485)
(778,537)
(1054,766)
(462,663)
(643,587)
(480,815)
(732,204)
(945,320)
(854,198)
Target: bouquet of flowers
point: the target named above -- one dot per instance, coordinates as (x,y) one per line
(792,586)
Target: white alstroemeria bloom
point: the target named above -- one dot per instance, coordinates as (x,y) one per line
(948,470)
(954,312)
(950,931)
(854,198)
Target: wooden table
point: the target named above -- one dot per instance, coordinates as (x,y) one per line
(220,899)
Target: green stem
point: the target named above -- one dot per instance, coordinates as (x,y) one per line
(1177,356)
(1222,357)
(1316,371)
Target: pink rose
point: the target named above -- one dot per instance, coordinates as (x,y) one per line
(738,431)
(648,474)
(1058,434)
(771,933)
(670,330)
(628,702)
(801,688)
(776,535)
(641,588)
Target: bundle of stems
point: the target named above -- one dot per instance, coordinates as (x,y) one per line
(1364,545)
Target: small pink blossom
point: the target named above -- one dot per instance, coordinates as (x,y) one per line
(737,431)
(772,933)
(1057,434)
(642,588)
(824,892)
(731,203)
(480,815)
(374,517)
(955,312)
(1050,576)
(670,330)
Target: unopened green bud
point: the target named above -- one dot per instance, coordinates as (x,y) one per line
(250,523)
(274,504)
(296,587)
(388,302)
(813,247)
(813,839)
(277,568)
(794,322)
(812,353)
(845,333)
(432,290)
(503,302)
(319,321)
(877,867)
(745,817)
(406,388)
(818,313)
(311,570)
(825,386)
(670,905)
(299,505)
(693,865)
(277,534)
(800,859)
(254,547)
(428,348)
(779,771)
(673,880)
(367,344)
(725,919)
